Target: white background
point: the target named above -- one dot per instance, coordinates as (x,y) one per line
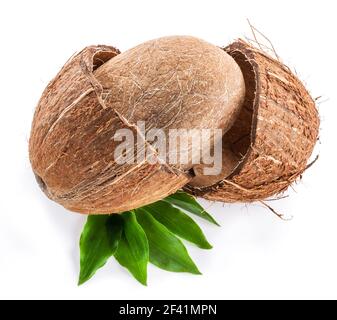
(255,254)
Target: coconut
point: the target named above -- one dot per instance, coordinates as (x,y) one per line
(269,145)
(169,83)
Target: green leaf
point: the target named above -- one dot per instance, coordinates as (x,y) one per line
(178,222)
(133,248)
(99,241)
(188,203)
(166,250)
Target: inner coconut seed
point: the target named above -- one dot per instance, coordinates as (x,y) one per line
(235,142)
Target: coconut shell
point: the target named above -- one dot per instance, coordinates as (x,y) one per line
(269,145)
(174,82)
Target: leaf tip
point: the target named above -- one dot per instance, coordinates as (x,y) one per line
(194,270)
(212,220)
(207,246)
(197,272)
(142,280)
(81,281)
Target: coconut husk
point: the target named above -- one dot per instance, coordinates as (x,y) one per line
(82,175)
(273,137)
(170,83)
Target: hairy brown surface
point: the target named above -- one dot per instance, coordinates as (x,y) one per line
(272,138)
(175,83)
(171,83)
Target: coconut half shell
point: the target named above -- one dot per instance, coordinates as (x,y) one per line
(273,137)
(64,155)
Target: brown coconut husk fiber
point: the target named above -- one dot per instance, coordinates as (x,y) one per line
(170,83)
(270,143)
